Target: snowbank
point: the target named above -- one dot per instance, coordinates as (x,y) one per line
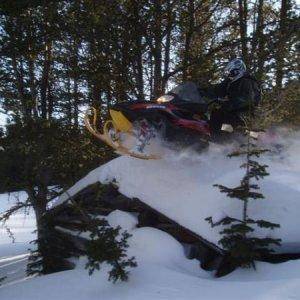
(14,255)
(21,223)
(119,218)
(181,187)
(163,272)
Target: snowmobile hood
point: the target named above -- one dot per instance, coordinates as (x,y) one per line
(121,123)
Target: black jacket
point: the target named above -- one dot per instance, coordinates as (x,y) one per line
(242,94)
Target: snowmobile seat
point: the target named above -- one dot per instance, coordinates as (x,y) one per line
(192,106)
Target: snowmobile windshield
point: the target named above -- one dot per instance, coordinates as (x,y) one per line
(187,91)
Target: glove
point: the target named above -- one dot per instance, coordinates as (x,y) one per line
(224,104)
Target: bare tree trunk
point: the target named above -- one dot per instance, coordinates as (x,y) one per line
(281,43)
(76,103)
(258,43)
(243,16)
(68,101)
(151,76)
(75,68)
(139,69)
(157,88)
(94,88)
(38,200)
(121,73)
(50,98)
(20,87)
(168,44)
(96,98)
(138,57)
(31,68)
(17,66)
(261,41)
(33,88)
(188,38)
(39,203)
(45,79)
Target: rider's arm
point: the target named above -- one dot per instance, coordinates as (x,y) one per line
(214,91)
(247,95)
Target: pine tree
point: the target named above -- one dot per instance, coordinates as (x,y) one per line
(109,245)
(238,235)
(106,244)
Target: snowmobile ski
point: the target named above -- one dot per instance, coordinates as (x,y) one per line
(113,141)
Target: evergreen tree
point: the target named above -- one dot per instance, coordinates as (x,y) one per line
(106,244)
(109,245)
(238,235)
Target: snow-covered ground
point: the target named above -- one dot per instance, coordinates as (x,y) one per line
(14,254)
(181,187)
(163,272)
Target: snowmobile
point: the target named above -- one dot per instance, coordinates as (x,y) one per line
(179,118)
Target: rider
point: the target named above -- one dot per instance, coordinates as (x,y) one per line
(239,93)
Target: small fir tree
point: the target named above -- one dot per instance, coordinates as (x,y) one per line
(238,236)
(107,244)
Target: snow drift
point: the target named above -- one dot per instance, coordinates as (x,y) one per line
(181,187)
(163,272)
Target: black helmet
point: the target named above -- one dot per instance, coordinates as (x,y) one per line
(235,69)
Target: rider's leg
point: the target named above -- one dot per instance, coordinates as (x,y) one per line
(217,119)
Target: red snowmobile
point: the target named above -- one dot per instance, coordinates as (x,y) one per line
(179,118)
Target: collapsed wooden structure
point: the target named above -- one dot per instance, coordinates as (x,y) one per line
(67,221)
